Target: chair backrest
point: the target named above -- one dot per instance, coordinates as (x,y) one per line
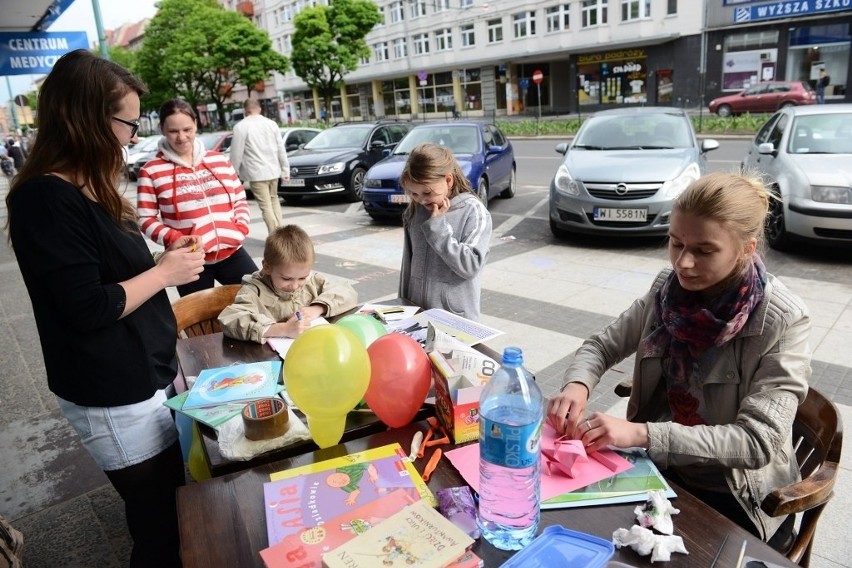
(198,313)
(818,440)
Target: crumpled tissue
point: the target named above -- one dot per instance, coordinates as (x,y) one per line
(656,513)
(645,542)
(234,445)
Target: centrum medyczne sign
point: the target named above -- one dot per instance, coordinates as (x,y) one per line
(27,53)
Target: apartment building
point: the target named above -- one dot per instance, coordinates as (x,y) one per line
(433,57)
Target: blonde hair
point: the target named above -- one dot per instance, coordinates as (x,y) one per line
(738,202)
(289,244)
(428,163)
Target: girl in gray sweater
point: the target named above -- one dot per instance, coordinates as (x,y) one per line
(447,234)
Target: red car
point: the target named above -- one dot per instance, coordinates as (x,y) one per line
(765,97)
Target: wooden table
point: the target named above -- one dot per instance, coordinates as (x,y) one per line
(215,350)
(223,523)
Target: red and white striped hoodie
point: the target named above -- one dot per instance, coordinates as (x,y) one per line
(205,198)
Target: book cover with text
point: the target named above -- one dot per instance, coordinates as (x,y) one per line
(235,383)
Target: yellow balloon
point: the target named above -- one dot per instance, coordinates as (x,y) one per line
(326,372)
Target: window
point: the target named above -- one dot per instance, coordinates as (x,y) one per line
(380,51)
(421,44)
(442,5)
(524,23)
(443,39)
(672,7)
(400,48)
(466,3)
(468,37)
(397,10)
(418,8)
(495,31)
(635,9)
(556,18)
(287,43)
(594,12)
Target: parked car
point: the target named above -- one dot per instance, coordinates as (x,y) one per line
(623,170)
(805,157)
(765,97)
(483,152)
(337,159)
(141,152)
(219,141)
(295,136)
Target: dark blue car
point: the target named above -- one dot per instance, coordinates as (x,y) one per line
(483,152)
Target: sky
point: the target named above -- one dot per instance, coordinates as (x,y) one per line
(80,17)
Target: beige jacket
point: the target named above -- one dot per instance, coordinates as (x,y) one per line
(753,389)
(258,305)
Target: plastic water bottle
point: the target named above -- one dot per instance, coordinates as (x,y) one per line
(511,410)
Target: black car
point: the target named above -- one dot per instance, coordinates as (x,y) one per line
(337,159)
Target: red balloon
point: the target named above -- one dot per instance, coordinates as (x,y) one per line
(400,376)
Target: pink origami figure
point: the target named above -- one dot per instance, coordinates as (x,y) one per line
(559,453)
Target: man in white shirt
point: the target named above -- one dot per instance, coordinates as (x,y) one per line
(258,155)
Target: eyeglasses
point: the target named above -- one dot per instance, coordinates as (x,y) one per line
(133,124)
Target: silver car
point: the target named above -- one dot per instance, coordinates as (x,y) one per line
(804,155)
(622,171)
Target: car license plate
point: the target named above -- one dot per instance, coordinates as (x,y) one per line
(620,215)
(294,182)
(399,198)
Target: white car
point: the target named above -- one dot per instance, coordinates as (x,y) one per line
(804,155)
(145,149)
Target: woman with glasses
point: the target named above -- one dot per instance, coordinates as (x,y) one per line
(187,190)
(105,323)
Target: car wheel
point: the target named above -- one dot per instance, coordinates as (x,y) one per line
(291,199)
(482,191)
(776,232)
(557,232)
(356,185)
(509,192)
(724,110)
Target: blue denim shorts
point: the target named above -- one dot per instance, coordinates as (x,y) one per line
(121,436)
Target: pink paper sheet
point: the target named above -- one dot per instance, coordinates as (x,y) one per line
(586,471)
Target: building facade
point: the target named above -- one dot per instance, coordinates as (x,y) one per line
(508,57)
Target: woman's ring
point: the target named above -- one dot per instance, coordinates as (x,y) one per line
(588,426)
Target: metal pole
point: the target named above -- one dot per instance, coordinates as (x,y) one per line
(99,25)
(12,103)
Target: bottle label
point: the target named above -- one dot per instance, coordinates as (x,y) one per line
(509,446)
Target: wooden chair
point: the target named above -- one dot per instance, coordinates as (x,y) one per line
(198,313)
(817,440)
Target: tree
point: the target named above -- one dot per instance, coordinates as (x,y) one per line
(197,50)
(329,41)
(123,57)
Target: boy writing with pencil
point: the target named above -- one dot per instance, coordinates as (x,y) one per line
(282,298)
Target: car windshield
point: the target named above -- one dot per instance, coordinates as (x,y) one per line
(459,139)
(340,137)
(829,133)
(635,132)
(209,140)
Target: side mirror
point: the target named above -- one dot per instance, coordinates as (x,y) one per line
(709,144)
(562,148)
(492,149)
(377,145)
(291,147)
(767,148)
(386,152)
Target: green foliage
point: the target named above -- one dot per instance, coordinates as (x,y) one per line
(329,41)
(197,50)
(739,124)
(123,57)
(745,124)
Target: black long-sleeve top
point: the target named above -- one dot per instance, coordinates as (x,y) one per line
(72,256)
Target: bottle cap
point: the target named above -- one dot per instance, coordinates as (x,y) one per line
(513,356)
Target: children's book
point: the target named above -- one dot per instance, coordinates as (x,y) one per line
(235,383)
(213,416)
(305,547)
(313,494)
(417,536)
(632,485)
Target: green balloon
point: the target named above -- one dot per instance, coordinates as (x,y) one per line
(366,328)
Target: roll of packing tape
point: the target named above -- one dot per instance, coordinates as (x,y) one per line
(266,418)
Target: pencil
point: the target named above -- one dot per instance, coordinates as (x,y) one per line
(719,552)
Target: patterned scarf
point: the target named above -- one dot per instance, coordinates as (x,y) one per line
(691,327)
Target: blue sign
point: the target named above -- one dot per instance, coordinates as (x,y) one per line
(28,53)
(524,83)
(789,8)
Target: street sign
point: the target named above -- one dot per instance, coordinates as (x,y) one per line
(537,76)
(524,83)
(422,76)
(28,53)
(22,101)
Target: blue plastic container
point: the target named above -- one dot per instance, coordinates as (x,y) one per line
(558,546)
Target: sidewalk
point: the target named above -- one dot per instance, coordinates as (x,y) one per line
(70,516)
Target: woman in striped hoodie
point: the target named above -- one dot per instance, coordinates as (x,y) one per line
(186,190)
